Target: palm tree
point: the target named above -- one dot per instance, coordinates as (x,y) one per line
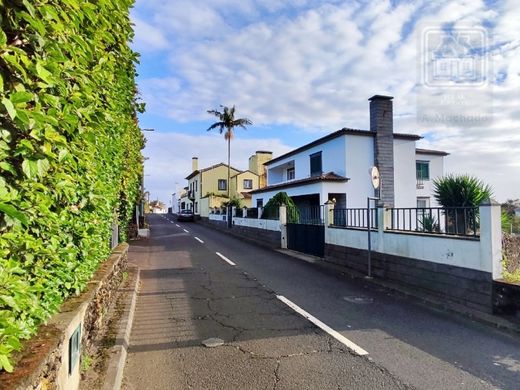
(458,192)
(228,122)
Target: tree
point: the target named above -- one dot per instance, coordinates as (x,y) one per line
(228,122)
(463,194)
(157,204)
(510,206)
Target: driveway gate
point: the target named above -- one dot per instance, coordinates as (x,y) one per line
(306,231)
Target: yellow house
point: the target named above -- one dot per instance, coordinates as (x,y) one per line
(208,187)
(208,183)
(256,165)
(241,184)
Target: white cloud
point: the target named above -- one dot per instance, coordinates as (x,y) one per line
(147,37)
(169,157)
(313,64)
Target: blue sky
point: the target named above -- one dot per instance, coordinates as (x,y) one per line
(300,69)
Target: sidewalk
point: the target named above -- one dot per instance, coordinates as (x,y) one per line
(188,294)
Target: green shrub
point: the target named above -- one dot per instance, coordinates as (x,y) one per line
(233,202)
(70,156)
(271,208)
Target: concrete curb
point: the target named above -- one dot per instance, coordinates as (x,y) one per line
(421,299)
(117,354)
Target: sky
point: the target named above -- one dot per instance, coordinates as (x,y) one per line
(300,69)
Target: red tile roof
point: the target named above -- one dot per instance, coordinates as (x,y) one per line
(327,177)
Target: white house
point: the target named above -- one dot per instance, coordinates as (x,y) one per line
(337,167)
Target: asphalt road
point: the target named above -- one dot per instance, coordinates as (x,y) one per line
(408,344)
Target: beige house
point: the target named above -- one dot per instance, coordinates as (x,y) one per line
(256,165)
(208,187)
(242,183)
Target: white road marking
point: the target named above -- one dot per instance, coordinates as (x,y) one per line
(177,225)
(338,336)
(185,230)
(199,240)
(225,258)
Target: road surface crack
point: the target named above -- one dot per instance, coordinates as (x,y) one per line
(276,375)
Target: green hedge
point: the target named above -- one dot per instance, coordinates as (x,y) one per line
(70,151)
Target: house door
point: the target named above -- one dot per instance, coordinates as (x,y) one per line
(306,231)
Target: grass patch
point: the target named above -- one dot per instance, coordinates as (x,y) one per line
(86,362)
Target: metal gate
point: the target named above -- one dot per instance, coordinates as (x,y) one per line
(306,231)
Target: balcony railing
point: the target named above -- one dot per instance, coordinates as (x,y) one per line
(461,221)
(354,218)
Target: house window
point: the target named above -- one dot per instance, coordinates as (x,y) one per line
(316,164)
(196,207)
(248,184)
(290,174)
(196,185)
(260,203)
(423,203)
(222,184)
(422,169)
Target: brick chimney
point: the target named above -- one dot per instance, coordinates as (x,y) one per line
(194,164)
(382,123)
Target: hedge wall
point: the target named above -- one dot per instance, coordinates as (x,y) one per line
(70,159)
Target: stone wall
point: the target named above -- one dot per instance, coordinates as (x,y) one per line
(511,252)
(267,238)
(463,286)
(43,361)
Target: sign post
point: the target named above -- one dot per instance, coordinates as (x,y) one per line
(376,183)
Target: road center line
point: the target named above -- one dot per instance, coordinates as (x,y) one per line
(177,225)
(185,230)
(199,240)
(338,336)
(225,258)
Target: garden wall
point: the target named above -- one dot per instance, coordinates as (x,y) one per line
(43,363)
(264,237)
(455,269)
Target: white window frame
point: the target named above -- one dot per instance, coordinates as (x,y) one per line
(250,182)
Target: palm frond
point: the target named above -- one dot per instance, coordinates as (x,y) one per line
(220,125)
(227,121)
(461,191)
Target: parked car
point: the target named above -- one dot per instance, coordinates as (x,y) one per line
(185,215)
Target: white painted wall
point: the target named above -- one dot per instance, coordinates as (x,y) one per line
(266,224)
(332,157)
(352,156)
(436,171)
(405,182)
(360,158)
(482,254)
(437,249)
(321,188)
(217,217)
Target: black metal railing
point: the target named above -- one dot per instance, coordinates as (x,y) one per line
(461,221)
(251,213)
(239,212)
(308,215)
(354,218)
(273,214)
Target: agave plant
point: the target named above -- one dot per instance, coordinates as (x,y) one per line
(428,223)
(453,191)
